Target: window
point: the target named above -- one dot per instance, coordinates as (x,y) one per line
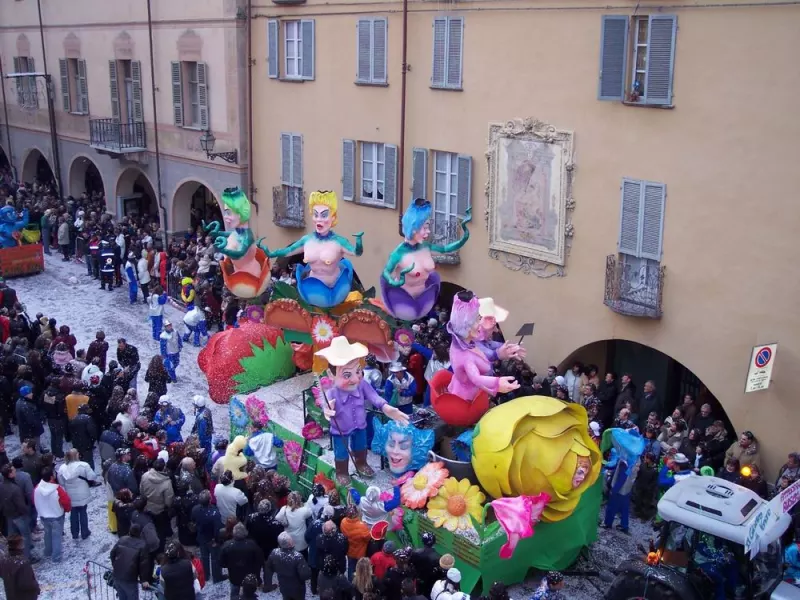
(371,51)
(190,102)
(27,92)
(126,103)
(650,54)
(298,47)
(374,166)
(74,90)
(448,49)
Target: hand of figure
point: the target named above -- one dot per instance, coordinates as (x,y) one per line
(395,414)
(220,243)
(507,384)
(329,408)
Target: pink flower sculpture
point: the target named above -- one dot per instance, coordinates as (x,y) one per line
(517,516)
(404,337)
(396,518)
(425,484)
(326,382)
(294,455)
(312,431)
(256,410)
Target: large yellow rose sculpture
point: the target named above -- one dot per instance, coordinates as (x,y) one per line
(537,444)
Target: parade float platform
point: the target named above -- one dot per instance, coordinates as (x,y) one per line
(289,404)
(26,259)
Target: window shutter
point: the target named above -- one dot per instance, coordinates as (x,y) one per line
(297,160)
(63,69)
(114,87)
(273,45)
(307,34)
(439,50)
(653,203)
(463,184)
(286,158)
(136,76)
(629,217)
(660,59)
(177,94)
(34,103)
(83,88)
(364,50)
(419,173)
(390,176)
(455,48)
(202,94)
(613,57)
(19,81)
(379,27)
(348,169)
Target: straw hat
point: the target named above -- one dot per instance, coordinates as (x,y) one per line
(342,352)
(489,309)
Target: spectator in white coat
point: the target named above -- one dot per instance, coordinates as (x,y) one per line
(293,517)
(77,478)
(143,274)
(52,502)
(229,498)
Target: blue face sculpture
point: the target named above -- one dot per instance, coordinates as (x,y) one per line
(405,447)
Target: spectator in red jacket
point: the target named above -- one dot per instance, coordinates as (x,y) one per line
(98,349)
(382,561)
(5,326)
(66,337)
(146,447)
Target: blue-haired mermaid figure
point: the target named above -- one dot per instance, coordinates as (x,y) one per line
(326,278)
(405,446)
(410,284)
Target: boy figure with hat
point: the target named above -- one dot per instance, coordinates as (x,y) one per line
(171,346)
(400,388)
(345,406)
(491,315)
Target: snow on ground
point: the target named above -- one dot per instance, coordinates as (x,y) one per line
(65,292)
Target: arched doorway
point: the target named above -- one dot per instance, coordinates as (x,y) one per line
(136,197)
(35,168)
(193,203)
(84,177)
(643,363)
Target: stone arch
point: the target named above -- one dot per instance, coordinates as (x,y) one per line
(123,46)
(135,193)
(35,165)
(72,46)
(193,201)
(23,45)
(83,175)
(190,46)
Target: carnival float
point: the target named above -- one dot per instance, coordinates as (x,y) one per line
(21,251)
(505,488)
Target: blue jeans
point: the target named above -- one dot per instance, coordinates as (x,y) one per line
(133,291)
(209,556)
(156,321)
(198,330)
(53,531)
(22,526)
(79,522)
(171,363)
(358,441)
(618,505)
(126,590)
(46,240)
(351,567)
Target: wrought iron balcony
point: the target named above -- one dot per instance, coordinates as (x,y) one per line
(446,231)
(112,137)
(634,287)
(287,207)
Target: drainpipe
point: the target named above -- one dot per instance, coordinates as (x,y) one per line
(155,125)
(402,145)
(51,111)
(250,104)
(8,125)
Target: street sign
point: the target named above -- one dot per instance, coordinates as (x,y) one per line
(788,498)
(760,371)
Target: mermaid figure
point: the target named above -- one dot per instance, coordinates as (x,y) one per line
(245,269)
(326,278)
(410,284)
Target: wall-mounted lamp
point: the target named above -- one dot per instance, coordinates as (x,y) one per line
(207,141)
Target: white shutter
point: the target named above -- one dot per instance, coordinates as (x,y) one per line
(177,93)
(136,77)
(273,45)
(439,51)
(630,211)
(364,50)
(114,88)
(297,160)
(455,49)
(307,42)
(378,54)
(286,158)
(348,169)
(83,88)
(202,95)
(63,68)
(390,176)
(653,202)
(419,173)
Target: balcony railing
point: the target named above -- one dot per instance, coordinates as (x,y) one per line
(446,231)
(287,207)
(634,287)
(118,138)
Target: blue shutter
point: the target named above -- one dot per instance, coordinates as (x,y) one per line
(630,211)
(297,160)
(419,173)
(379,28)
(660,59)
(83,89)
(455,51)
(439,51)
(202,95)
(114,88)
(613,57)
(63,69)
(653,203)
(272,48)
(363,50)
(177,94)
(348,170)
(391,175)
(307,35)
(286,158)
(138,101)
(463,185)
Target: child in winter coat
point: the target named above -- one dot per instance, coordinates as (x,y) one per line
(156,303)
(130,275)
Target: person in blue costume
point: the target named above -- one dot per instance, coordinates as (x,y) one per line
(400,388)
(203,426)
(170,418)
(405,447)
(171,345)
(9,223)
(681,468)
(326,278)
(156,302)
(715,559)
(791,557)
(629,446)
(130,275)
(409,283)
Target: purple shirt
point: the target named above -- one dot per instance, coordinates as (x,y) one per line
(489,349)
(350,407)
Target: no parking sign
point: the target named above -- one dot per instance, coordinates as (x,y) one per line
(760,371)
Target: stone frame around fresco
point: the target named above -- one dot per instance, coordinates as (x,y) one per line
(530,259)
